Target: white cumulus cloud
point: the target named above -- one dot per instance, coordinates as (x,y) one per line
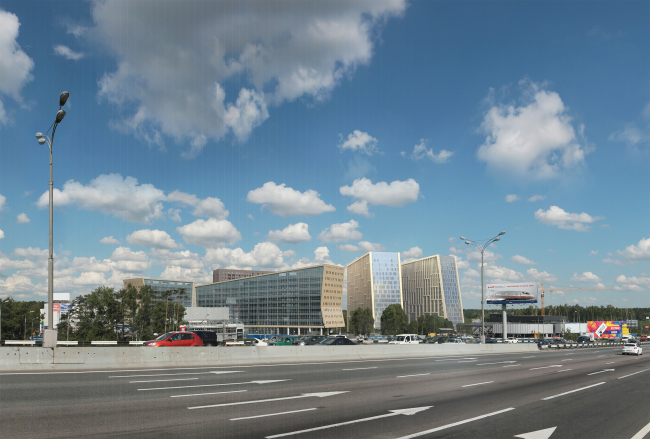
(22,218)
(112,195)
(518,259)
(587,276)
(210,233)
(292,234)
(512,198)
(396,194)
(15,65)
(359,141)
(535,140)
(210,207)
(227,63)
(152,238)
(364,246)
(264,255)
(556,216)
(67,53)
(109,240)
(341,232)
(420,151)
(635,253)
(285,201)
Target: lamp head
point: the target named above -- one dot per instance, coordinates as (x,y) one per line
(39,135)
(498,239)
(467,242)
(63,98)
(59,116)
(463,238)
(502,233)
(41,141)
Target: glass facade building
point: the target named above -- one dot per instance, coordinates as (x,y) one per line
(431,287)
(375,282)
(160,286)
(292,301)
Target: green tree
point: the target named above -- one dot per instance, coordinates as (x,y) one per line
(361,321)
(393,320)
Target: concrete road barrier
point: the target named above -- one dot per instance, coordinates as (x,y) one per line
(91,357)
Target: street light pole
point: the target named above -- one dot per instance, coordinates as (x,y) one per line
(49,337)
(482,250)
(26,322)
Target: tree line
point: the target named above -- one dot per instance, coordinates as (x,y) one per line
(573,313)
(394,321)
(103,315)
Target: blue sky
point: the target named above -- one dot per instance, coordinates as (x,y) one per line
(271,135)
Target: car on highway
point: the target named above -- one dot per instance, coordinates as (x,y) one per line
(308,340)
(209,337)
(511,340)
(405,339)
(584,339)
(259,342)
(559,341)
(337,341)
(490,340)
(176,338)
(282,340)
(644,337)
(632,349)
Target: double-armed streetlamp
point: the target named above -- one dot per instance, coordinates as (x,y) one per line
(42,139)
(482,250)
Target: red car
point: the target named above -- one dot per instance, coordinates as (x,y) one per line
(176,339)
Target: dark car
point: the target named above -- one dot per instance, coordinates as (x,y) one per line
(583,339)
(209,338)
(176,338)
(490,340)
(559,341)
(308,340)
(337,341)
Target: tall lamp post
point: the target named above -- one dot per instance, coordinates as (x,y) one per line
(482,250)
(26,314)
(49,337)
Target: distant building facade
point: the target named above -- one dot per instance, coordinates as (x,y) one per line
(431,287)
(375,282)
(224,274)
(286,302)
(160,286)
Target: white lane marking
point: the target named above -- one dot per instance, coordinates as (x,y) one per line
(567,359)
(641,434)
(613,362)
(571,391)
(433,430)
(215,385)
(304,395)
(570,353)
(468,361)
(539,434)
(416,375)
(601,356)
(625,376)
(530,356)
(498,362)
(357,368)
(211,393)
(162,381)
(601,371)
(563,370)
(546,367)
(512,365)
(273,414)
(456,358)
(477,384)
(407,412)
(170,374)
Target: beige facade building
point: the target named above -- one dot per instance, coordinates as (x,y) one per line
(224,274)
(374,281)
(430,286)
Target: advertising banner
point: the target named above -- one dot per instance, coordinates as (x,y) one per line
(523,292)
(65,307)
(605,329)
(56,307)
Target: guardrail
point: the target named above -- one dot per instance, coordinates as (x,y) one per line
(69,343)
(586,345)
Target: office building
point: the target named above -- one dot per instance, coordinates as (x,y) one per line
(224,274)
(375,282)
(160,286)
(294,301)
(431,287)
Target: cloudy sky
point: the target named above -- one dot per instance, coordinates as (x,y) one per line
(278,134)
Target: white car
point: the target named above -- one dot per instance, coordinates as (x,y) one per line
(632,349)
(511,340)
(259,342)
(405,339)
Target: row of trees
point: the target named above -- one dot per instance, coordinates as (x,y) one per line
(574,313)
(18,318)
(394,321)
(139,313)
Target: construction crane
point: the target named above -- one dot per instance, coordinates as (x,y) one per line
(550,290)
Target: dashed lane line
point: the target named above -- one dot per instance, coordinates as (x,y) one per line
(625,376)
(477,384)
(416,375)
(273,414)
(572,391)
(444,427)
(162,381)
(211,393)
(357,368)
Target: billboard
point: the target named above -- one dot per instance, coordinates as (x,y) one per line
(522,292)
(605,329)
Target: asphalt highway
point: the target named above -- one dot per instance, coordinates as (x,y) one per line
(590,393)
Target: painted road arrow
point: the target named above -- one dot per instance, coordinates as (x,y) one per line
(601,371)
(215,385)
(304,395)
(407,412)
(539,434)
